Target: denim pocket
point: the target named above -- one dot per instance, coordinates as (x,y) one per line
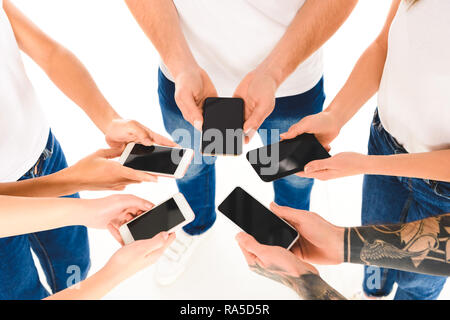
(440,188)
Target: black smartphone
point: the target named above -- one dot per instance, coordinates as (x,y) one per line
(258,221)
(169,216)
(160,160)
(223,121)
(287,157)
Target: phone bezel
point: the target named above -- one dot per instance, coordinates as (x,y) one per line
(182,204)
(238,187)
(267,178)
(179,171)
(201,133)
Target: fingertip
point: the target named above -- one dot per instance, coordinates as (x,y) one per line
(273,206)
(165,235)
(240,237)
(301,174)
(198,124)
(148,205)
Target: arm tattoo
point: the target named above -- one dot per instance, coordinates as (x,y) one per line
(422,246)
(308,286)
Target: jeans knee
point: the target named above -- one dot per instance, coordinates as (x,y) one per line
(420,286)
(297,182)
(196,169)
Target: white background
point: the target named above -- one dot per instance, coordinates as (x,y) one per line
(103,34)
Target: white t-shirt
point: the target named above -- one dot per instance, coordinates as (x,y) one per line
(230,38)
(414,95)
(23,128)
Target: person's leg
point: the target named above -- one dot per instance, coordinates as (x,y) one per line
(199,183)
(384,200)
(430,198)
(56,249)
(19,279)
(292,191)
(64,252)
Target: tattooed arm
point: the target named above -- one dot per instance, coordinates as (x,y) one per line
(422,246)
(281,265)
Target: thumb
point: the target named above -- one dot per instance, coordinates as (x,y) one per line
(318,165)
(249,243)
(289,214)
(135,175)
(189,108)
(155,243)
(254,121)
(294,131)
(133,202)
(109,153)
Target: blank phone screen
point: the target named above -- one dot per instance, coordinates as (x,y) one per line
(154,159)
(258,221)
(223,120)
(161,218)
(287,157)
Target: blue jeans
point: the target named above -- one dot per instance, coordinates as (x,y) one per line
(389,199)
(62,252)
(198,185)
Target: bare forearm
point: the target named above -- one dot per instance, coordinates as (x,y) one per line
(364,81)
(160,22)
(62,67)
(74,80)
(428,165)
(54,185)
(93,288)
(25,215)
(313,25)
(422,246)
(361,85)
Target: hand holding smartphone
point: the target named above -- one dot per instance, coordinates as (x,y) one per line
(223,122)
(169,216)
(258,221)
(159,160)
(287,157)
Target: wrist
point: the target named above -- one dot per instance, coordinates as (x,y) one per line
(339,242)
(337,113)
(115,273)
(272,72)
(70,178)
(67,181)
(181,65)
(109,122)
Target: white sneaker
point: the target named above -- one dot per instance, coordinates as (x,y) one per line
(173,263)
(361,295)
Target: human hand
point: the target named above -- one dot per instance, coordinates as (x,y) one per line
(120,132)
(341,165)
(273,262)
(319,241)
(257,90)
(192,87)
(98,172)
(324,125)
(112,212)
(138,255)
